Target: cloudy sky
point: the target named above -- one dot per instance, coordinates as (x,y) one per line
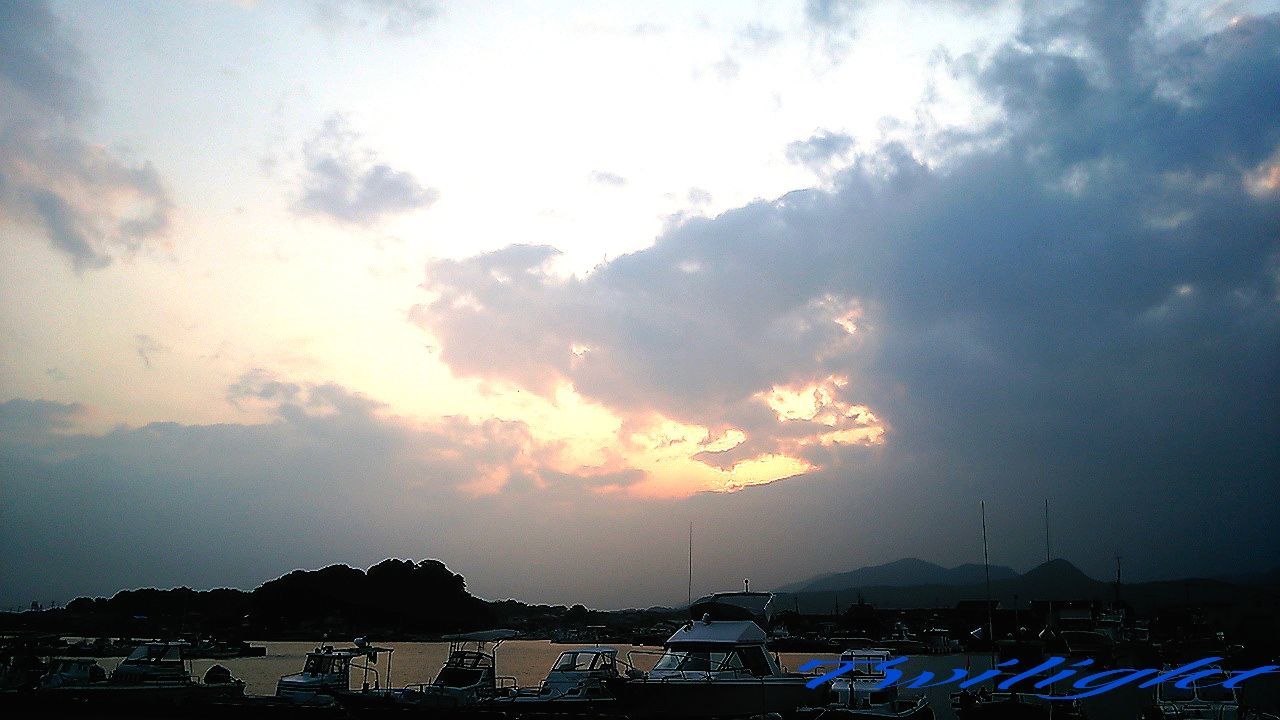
(528,287)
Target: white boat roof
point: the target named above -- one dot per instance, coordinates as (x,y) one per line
(733,632)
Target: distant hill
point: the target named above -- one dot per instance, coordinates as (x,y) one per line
(395,598)
(1054,580)
(908,572)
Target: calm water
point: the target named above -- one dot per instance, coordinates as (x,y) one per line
(529,660)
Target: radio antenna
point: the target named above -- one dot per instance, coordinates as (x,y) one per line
(986,564)
(1046,531)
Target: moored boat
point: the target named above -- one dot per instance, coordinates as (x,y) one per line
(719,668)
(328,671)
(467,678)
(1204,698)
(858,695)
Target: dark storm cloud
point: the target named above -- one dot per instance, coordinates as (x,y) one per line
(91,205)
(1083,305)
(350,184)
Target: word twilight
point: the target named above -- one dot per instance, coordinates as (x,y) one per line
(1088,685)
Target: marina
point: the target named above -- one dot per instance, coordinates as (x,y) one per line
(716,666)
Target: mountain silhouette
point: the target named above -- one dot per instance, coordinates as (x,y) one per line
(908,572)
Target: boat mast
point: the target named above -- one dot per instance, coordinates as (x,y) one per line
(1046,531)
(986,565)
(690,593)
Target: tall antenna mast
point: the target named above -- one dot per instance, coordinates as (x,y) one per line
(1046,531)
(690,597)
(1117,579)
(986,564)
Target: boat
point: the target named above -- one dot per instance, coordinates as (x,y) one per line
(858,695)
(156,676)
(1206,698)
(327,671)
(584,680)
(902,642)
(938,641)
(467,678)
(718,668)
(214,649)
(73,672)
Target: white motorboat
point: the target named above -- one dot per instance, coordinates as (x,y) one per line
(718,668)
(468,677)
(328,671)
(581,680)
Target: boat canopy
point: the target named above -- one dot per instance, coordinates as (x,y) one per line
(731,632)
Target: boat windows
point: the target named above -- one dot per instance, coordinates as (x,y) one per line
(581,661)
(155,654)
(699,661)
(1171,691)
(455,677)
(755,661)
(1215,693)
(321,665)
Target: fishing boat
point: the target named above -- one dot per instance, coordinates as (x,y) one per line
(155,676)
(73,672)
(467,678)
(328,671)
(1206,698)
(858,695)
(580,681)
(718,668)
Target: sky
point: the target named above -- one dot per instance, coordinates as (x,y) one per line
(530,287)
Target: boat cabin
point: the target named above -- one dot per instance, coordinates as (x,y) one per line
(711,649)
(1204,692)
(580,674)
(154,662)
(73,672)
(327,670)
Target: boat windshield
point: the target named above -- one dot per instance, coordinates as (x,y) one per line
(699,661)
(325,665)
(155,654)
(1171,691)
(864,666)
(583,661)
(1215,692)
